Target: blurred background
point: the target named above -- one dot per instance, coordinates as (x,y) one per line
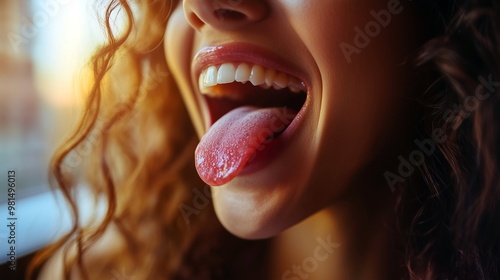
(44,47)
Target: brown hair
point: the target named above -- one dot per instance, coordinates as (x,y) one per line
(450,215)
(142,146)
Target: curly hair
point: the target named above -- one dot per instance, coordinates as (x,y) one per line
(452,229)
(142,144)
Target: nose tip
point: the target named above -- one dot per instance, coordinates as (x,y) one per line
(224,14)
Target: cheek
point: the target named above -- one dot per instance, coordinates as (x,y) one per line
(178,46)
(177,32)
(363,104)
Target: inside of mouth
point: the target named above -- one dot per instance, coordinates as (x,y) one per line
(250,95)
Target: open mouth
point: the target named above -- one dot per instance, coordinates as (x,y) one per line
(250,107)
(232,85)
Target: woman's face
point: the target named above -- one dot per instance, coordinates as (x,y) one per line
(296,100)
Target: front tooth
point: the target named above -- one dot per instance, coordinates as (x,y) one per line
(243,73)
(270,76)
(226,73)
(210,79)
(257,75)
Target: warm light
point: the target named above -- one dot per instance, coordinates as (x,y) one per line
(64,34)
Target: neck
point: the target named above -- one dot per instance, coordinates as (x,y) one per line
(352,239)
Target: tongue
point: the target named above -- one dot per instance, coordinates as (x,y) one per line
(235,138)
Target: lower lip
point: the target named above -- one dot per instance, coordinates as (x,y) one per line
(277,146)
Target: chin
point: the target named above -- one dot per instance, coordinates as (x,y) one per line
(260,211)
(248,221)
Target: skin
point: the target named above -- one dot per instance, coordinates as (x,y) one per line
(357,124)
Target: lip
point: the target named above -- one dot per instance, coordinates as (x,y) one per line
(244,52)
(241,52)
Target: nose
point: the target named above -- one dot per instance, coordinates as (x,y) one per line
(224,14)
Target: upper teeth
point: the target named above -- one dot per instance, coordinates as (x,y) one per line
(242,72)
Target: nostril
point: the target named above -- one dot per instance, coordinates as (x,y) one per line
(226,14)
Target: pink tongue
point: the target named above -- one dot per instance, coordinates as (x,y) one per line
(233,140)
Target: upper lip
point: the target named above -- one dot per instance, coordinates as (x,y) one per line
(242,52)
